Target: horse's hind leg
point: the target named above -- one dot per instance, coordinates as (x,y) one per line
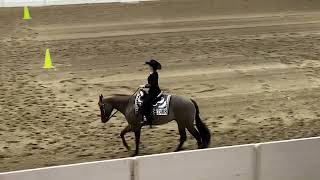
(123,133)
(183,136)
(195,134)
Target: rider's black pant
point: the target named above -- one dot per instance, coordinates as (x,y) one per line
(147,107)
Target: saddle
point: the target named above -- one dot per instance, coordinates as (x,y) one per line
(160,107)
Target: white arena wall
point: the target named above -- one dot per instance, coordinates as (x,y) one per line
(289,160)
(283,160)
(100,170)
(21,3)
(227,163)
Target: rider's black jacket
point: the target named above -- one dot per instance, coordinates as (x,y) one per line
(153,84)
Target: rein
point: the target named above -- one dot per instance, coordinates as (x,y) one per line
(118,110)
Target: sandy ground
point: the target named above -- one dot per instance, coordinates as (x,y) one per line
(254,69)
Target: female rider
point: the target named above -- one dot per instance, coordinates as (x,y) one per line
(154,90)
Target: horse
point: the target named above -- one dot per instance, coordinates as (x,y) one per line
(184,111)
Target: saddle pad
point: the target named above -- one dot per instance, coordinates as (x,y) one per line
(160,108)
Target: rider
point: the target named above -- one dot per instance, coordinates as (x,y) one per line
(154,90)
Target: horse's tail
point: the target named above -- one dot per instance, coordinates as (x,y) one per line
(202,128)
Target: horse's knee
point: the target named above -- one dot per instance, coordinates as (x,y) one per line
(122,134)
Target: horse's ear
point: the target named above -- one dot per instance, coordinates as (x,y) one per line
(100,97)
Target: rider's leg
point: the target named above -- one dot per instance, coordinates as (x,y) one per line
(147,107)
(147,110)
(149,115)
(144,109)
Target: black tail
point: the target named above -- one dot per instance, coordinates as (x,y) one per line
(202,128)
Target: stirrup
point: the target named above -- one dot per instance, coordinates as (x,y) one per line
(144,120)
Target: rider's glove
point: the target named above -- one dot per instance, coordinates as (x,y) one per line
(147,86)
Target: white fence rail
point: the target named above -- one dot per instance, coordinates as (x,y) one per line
(289,160)
(101,170)
(227,163)
(20,3)
(284,160)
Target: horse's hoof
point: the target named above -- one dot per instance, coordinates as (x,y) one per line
(203,146)
(134,154)
(179,149)
(128,148)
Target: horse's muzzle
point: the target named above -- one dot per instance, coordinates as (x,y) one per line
(104,119)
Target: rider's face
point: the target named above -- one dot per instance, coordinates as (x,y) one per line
(150,69)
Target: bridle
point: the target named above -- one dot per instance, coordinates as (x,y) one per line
(112,115)
(103,106)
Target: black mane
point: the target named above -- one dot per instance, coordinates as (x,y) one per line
(120,95)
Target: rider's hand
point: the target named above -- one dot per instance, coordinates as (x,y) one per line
(147,86)
(142,86)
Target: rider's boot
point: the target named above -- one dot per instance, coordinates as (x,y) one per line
(149,119)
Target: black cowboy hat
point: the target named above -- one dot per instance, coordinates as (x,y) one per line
(154,64)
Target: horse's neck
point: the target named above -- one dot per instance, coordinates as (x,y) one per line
(120,103)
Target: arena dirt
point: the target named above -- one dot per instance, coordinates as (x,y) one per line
(253,68)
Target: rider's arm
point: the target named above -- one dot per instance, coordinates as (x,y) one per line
(152,81)
(147,86)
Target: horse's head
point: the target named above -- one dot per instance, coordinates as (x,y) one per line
(105,109)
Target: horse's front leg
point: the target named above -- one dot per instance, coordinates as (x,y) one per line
(137,134)
(123,133)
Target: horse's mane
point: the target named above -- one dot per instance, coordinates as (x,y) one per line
(116,97)
(119,95)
